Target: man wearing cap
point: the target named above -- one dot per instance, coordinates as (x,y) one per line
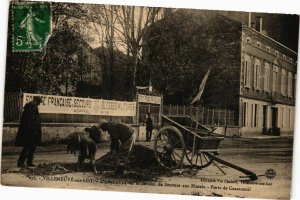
(29,134)
(149,127)
(122,139)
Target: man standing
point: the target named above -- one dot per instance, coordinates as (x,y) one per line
(122,139)
(149,127)
(29,134)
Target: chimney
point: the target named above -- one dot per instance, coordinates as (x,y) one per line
(258,23)
(249,20)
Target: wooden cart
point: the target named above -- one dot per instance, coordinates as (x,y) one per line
(184,140)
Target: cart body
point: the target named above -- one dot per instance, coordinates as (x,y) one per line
(196,136)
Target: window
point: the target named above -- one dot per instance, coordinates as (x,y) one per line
(288,117)
(246,76)
(251,115)
(258,44)
(282,117)
(267,77)
(291,60)
(268,49)
(294,85)
(275,78)
(245,106)
(248,39)
(290,84)
(276,53)
(284,57)
(254,114)
(283,82)
(257,74)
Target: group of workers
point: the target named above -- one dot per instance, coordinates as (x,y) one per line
(122,137)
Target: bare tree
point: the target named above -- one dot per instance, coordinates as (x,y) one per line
(102,20)
(120,28)
(134,22)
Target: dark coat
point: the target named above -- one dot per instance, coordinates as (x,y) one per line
(78,141)
(149,124)
(94,134)
(118,132)
(30,131)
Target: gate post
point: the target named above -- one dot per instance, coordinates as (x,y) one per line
(137,109)
(161,109)
(20,104)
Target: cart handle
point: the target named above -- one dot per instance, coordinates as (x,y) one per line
(182,127)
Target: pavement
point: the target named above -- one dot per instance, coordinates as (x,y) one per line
(267,137)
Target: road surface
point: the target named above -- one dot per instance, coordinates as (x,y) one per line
(257,155)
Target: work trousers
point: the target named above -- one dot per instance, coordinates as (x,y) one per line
(148,135)
(27,154)
(125,150)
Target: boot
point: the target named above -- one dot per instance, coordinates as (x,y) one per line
(30,164)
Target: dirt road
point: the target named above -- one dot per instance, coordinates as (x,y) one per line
(255,155)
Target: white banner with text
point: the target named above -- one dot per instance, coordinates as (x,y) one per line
(83,106)
(149,99)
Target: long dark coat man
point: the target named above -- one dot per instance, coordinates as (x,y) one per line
(29,134)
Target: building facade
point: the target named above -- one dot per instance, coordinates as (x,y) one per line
(267,85)
(252,73)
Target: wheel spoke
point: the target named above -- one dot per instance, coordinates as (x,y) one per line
(176,154)
(162,152)
(205,158)
(196,160)
(170,160)
(176,143)
(165,138)
(189,152)
(160,145)
(174,158)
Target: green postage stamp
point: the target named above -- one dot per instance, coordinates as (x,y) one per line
(31,23)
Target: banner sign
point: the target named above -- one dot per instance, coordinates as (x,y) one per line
(83,106)
(149,99)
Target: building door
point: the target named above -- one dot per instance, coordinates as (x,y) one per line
(275,130)
(265,118)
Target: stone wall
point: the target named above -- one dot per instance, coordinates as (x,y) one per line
(54,132)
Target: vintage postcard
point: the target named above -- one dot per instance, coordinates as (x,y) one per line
(149,99)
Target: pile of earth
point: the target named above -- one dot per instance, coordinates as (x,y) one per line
(142,166)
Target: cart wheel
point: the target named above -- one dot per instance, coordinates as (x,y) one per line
(198,160)
(169,147)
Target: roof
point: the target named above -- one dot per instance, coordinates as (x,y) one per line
(269,38)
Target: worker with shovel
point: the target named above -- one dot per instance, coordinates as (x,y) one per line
(122,139)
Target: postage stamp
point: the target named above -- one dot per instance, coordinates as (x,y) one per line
(31,23)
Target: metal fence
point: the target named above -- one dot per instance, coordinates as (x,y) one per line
(12,107)
(206,116)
